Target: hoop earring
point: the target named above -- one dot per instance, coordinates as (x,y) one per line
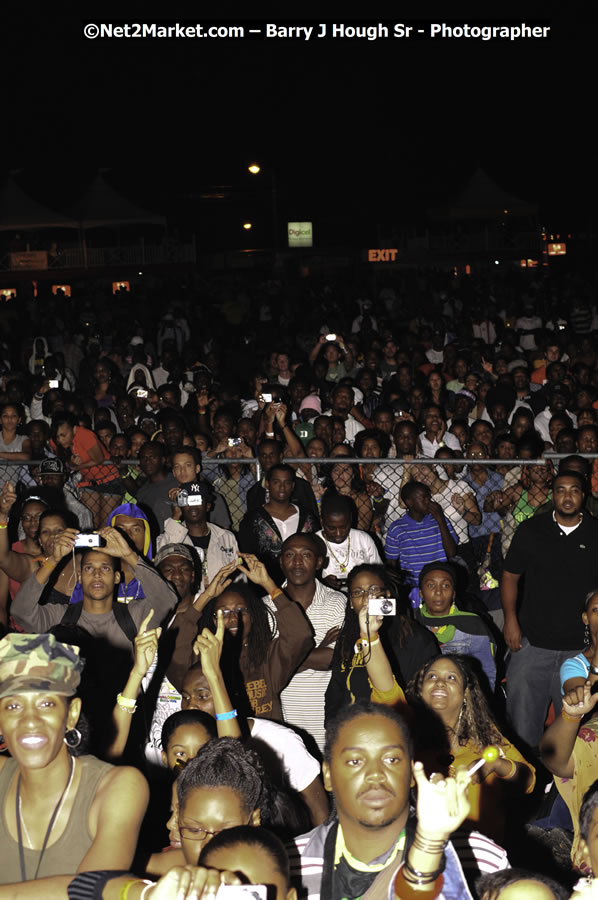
(586,635)
(73,743)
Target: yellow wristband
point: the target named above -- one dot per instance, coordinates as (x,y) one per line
(512,771)
(5,525)
(275,593)
(126,703)
(124,891)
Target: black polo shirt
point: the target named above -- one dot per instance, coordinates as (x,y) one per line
(559,570)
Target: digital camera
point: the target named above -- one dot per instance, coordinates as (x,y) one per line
(184,498)
(234,442)
(382,606)
(89,540)
(242,892)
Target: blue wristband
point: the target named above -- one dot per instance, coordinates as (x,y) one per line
(222,717)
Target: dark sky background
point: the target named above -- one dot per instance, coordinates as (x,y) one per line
(378,129)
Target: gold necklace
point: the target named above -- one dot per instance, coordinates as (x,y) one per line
(343,566)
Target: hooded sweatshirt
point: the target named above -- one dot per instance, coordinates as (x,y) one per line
(132,590)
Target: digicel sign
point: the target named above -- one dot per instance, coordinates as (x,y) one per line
(300,234)
(383,255)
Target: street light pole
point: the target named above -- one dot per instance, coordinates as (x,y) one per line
(254,168)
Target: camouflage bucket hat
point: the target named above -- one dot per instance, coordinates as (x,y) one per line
(38,662)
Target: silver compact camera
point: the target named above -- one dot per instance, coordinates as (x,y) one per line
(382,606)
(89,540)
(242,892)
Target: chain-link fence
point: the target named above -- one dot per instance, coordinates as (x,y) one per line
(482,500)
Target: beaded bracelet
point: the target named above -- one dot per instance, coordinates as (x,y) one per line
(222,717)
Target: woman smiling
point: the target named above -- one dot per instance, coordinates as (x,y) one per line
(448,687)
(58,814)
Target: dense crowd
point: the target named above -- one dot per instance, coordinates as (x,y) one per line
(318,577)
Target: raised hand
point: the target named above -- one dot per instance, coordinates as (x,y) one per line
(580,701)
(209,647)
(458,502)
(256,572)
(442,803)
(280,414)
(7,498)
(221,580)
(436,511)
(368,623)
(64,543)
(146,646)
(190,883)
(116,545)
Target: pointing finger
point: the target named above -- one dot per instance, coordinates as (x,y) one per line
(146,621)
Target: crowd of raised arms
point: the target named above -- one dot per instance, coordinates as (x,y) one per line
(299,590)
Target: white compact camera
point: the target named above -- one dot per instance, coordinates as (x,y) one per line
(242,892)
(89,540)
(382,606)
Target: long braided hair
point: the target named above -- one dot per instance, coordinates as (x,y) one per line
(349,633)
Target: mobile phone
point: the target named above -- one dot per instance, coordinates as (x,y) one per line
(266,398)
(141,392)
(330,337)
(89,540)
(382,606)
(234,442)
(54,383)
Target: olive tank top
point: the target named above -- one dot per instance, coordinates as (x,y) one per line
(64,856)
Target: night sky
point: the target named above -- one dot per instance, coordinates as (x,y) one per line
(374,129)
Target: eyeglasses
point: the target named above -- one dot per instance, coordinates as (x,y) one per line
(239,611)
(374,590)
(195,834)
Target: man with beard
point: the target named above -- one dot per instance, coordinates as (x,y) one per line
(368,766)
(556,553)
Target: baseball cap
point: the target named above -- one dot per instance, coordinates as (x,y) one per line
(38,662)
(468,394)
(173,550)
(199,487)
(51,467)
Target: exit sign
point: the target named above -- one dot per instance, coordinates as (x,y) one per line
(382,255)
